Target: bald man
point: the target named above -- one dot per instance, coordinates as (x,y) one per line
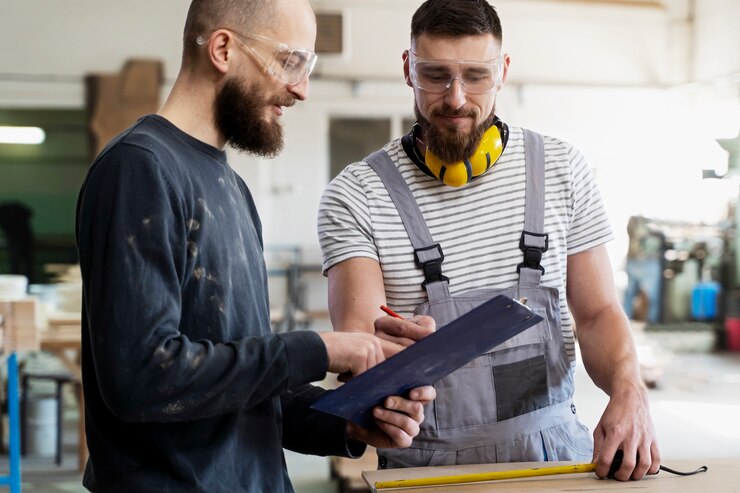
(186,388)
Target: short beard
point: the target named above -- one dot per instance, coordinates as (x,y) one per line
(448,144)
(240,118)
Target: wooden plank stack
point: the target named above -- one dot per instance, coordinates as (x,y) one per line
(19,325)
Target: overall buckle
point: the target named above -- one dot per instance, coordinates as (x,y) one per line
(533,253)
(433,267)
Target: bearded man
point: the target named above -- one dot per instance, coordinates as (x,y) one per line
(464,208)
(186,388)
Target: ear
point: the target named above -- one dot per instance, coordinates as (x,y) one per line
(505,72)
(406,74)
(220,44)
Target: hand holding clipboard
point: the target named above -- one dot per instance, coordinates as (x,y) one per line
(429,359)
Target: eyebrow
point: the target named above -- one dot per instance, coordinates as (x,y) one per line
(477,70)
(435,67)
(302,56)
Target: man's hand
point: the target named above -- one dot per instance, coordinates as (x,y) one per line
(397,420)
(352,352)
(398,334)
(626,425)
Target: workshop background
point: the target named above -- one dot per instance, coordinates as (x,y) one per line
(649,90)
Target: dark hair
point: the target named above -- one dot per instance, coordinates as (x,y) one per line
(205,16)
(456,18)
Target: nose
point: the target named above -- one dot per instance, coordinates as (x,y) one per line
(455,95)
(299,90)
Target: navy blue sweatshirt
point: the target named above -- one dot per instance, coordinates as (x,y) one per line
(186,388)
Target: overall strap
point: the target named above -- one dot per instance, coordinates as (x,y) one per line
(428,255)
(534,241)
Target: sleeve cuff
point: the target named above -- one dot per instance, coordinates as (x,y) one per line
(307,357)
(355,449)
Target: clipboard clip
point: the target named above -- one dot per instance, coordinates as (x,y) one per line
(522,302)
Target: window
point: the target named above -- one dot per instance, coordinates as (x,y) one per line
(351,139)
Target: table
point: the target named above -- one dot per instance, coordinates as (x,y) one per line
(58,340)
(723,476)
(63,334)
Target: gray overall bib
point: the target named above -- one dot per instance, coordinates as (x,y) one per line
(514,403)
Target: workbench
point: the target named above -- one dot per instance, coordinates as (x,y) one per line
(723,476)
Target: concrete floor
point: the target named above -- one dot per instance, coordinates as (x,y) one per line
(695,407)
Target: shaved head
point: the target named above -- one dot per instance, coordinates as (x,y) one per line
(205,16)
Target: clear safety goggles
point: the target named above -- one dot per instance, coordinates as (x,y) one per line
(437,76)
(285,63)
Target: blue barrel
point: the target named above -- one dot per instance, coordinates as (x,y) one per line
(704,300)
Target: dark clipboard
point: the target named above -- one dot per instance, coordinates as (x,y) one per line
(429,359)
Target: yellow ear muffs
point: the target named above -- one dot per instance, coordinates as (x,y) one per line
(459,173)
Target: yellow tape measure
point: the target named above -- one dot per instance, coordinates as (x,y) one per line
(486,476)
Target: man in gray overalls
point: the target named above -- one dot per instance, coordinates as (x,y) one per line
(460,209)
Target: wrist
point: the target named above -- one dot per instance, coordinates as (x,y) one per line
(625,387)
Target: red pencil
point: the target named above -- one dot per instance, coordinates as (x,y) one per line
(390,312)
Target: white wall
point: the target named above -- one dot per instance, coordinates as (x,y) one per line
(642,91)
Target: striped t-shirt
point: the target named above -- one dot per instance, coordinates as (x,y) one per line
(478,225)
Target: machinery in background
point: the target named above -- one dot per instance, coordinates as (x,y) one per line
(297,288)
(728,314)
(681,276)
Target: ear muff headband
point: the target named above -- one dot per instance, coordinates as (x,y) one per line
(457,174)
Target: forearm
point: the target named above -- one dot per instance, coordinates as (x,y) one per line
(608,352)
(356,292)
(181,380)
(603,330)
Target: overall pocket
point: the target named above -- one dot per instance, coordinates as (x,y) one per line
(521,387)
(569,441)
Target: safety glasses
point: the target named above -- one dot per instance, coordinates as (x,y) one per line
(285,63)
(437,76)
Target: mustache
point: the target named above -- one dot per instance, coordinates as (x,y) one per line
(285,102)
(449,111)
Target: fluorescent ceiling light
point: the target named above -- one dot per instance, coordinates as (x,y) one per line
(21,135)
